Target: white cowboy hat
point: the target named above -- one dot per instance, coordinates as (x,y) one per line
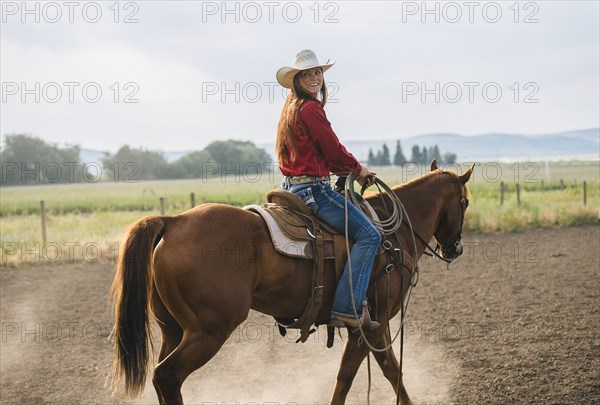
(305,59)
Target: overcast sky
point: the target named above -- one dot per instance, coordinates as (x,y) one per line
(177,75)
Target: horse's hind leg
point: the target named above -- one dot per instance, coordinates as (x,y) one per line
(196,348)
(390,367)
(351,360)
(171,333)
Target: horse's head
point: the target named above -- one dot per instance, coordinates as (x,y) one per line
(448,233)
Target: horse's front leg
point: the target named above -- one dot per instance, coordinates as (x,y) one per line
(390,367)
(353,356)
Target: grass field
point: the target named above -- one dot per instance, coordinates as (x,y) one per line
(86,221)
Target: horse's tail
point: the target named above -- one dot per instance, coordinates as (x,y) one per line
(131,292)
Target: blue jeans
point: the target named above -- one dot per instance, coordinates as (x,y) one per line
(328,206)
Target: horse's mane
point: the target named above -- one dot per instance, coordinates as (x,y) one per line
(427,177)
(421,179)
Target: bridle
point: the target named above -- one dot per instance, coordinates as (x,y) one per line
(457,246)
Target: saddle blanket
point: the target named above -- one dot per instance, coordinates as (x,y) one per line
(283,243)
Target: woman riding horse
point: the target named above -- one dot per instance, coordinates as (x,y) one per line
(194,273)
(308,151)
(200,273)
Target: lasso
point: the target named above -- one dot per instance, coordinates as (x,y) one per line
(387,226)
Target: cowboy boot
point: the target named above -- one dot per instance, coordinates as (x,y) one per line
(367,323)
(364,321)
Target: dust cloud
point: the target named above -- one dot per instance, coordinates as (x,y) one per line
(258,366)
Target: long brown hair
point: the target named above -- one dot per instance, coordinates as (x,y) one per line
(285,148)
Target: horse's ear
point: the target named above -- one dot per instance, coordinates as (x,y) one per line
(434,165)
(465,177)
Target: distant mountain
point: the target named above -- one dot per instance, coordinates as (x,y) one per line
(581,144)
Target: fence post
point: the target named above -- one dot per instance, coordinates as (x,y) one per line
(584,192)
(501,193)
(562,184)
(193,199)
(518,188)
(162,205)
(43,214)
(542,185)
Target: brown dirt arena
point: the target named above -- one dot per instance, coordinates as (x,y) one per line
(514,320)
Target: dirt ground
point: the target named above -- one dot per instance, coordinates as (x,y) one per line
(515,320)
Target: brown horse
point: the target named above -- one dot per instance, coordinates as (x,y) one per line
(199,273)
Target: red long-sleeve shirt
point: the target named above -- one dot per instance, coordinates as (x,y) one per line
(318,149)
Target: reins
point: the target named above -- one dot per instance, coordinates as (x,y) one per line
(432,252)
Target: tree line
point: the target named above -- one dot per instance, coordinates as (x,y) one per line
(219,157)
(29,160)
(420,155)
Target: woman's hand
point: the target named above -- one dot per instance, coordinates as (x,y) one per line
(366,177)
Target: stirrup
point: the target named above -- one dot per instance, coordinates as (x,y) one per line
(365,322)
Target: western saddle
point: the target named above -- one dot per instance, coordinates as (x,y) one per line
(296,232)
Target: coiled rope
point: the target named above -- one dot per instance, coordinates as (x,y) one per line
(387,226)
